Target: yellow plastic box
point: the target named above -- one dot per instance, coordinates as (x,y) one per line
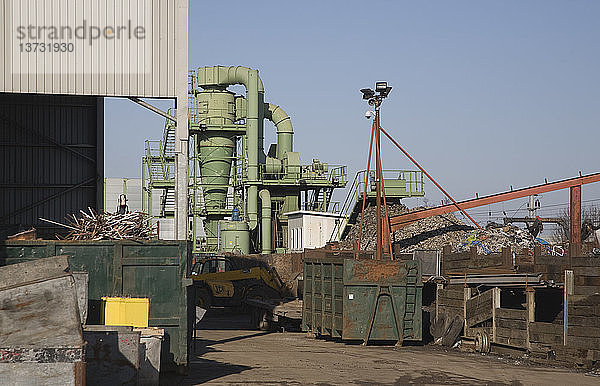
(118,311)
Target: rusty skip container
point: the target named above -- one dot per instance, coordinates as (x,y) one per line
(363,300)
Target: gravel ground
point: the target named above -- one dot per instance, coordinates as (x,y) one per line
(228,353)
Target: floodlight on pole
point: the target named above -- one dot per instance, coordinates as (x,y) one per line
(367,93)
(374,98)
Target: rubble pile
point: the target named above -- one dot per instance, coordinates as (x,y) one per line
(494,239)
(436,232)
(430,233)
(369,232)
(108,226)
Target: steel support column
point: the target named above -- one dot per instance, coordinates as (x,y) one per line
(575,214)
(181,130)
(378,183)
(100,155)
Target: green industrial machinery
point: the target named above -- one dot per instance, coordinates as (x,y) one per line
(240,194)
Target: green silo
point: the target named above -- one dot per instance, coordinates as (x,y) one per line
(216,143)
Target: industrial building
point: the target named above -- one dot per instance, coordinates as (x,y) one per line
(232,175)
(67,93)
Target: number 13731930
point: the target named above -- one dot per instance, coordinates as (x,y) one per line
(46,47)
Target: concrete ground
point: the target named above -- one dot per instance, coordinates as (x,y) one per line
(227,352)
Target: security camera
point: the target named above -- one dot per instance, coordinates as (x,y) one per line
(369,114)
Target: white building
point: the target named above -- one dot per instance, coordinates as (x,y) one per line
(308,229)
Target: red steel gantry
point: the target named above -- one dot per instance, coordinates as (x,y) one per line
(574,184)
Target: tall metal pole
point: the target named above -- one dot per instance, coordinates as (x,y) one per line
(378,182)
(575,222)
(362,213)
(385,237)
(374,98)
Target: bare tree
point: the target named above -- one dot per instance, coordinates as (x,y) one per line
(562,232)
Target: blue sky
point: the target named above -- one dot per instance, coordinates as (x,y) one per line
(486,94)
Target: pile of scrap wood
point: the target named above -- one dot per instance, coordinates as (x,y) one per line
(107,226)
(30,234)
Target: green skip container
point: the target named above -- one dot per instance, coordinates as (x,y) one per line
(362,300)
(156,270)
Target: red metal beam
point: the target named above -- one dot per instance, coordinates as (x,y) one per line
(429,176)
(398,222)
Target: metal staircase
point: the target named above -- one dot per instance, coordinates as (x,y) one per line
(320,200)
(167,203)
(169,140)
(159,170)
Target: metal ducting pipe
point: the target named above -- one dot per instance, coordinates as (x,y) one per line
(252,206)
(225,76)
(265,199)
(285,131)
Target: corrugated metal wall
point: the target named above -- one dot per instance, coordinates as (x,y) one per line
(104,66)
(51,159)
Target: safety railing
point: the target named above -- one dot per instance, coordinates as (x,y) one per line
(322,206)
(413,179)
(335,174)
(158,165)
(168,139)
(338,174)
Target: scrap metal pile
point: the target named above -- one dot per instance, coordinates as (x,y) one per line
(108,226)
(494,239)
(436,232)
(369,231)
(431,233)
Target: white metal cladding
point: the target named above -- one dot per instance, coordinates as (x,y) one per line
(127,66)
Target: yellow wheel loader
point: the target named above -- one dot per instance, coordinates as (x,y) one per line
(222,281)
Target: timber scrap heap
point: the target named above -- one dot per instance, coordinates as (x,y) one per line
(107,226)
(433,233)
